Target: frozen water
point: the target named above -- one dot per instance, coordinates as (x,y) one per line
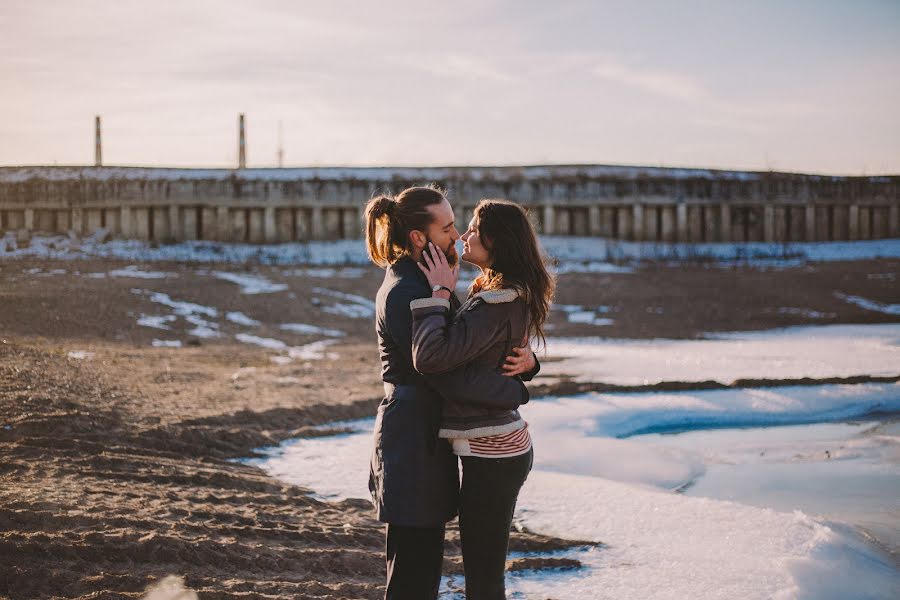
(589,484)
(790,353)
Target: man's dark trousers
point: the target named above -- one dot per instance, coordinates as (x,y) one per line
(414,559)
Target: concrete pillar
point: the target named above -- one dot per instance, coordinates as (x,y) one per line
(189,223)
(625,225)
(208,223)
(853,222)
(667,223)
(724,222)
(257,229)
(94,218)
(865,223)
(563,221)
(140,221)
(768,223)
(781,231)
(284,223)
(710,223)
(594,224)
(354,222)
(880,216)
(77,221)
(29,219)
(810,221)
(681,222)
(176,227)
(63,221)
(317,224)
(270,231)
(125,222)
(549,220)
(302,223)
(237,231)
(894,220)
(607,217)
(637,222)
(223,229)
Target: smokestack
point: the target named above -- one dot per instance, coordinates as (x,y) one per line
(280,146)
(242,145)
(98,147)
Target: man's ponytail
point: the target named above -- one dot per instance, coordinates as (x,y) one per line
(379,229)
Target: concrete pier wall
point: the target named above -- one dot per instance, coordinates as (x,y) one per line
(282,205)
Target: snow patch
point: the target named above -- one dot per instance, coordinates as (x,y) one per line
(305,329)
(166,343)
(251,284)
(889,309)
(816,351)
(241,319)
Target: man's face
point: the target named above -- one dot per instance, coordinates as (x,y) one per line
(442,230)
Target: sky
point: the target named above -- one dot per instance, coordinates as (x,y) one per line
(800,85)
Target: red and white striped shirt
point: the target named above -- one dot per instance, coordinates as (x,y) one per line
(502,445)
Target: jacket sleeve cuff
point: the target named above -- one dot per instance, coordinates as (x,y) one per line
(428,303)
(533,372)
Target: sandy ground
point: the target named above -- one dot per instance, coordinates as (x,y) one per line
(117,468)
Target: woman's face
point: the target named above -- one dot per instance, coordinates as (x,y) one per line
(474,250)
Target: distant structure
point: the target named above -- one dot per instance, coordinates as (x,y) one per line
(242,144)
(280,146)
(98,146)
(641,204)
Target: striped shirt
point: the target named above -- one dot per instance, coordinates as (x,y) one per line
(502,445)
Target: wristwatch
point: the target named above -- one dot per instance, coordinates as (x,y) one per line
(436,288)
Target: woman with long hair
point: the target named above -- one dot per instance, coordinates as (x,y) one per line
(507,305)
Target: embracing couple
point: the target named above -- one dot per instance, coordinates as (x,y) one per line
(453,378)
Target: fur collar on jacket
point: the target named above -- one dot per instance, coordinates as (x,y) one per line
(498,296)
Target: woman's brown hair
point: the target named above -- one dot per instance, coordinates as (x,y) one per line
(516,259)
(390,219)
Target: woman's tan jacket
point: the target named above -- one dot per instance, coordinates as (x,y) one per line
(466,348)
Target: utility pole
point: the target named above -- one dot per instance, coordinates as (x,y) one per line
(242,145)
(98,147)
(280,146)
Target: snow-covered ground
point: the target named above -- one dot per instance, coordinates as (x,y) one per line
(571,254)
(599,475)
(816,351)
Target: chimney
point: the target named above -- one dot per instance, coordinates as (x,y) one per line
(242,145)
(98,147)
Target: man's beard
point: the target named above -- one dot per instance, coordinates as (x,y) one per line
(450,252)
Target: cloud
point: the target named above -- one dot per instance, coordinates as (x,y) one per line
(662,83)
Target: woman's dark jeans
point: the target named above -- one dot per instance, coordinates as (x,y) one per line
(487,500)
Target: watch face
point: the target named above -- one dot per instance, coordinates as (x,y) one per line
(435,288)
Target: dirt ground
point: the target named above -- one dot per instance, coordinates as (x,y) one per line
(117,457)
